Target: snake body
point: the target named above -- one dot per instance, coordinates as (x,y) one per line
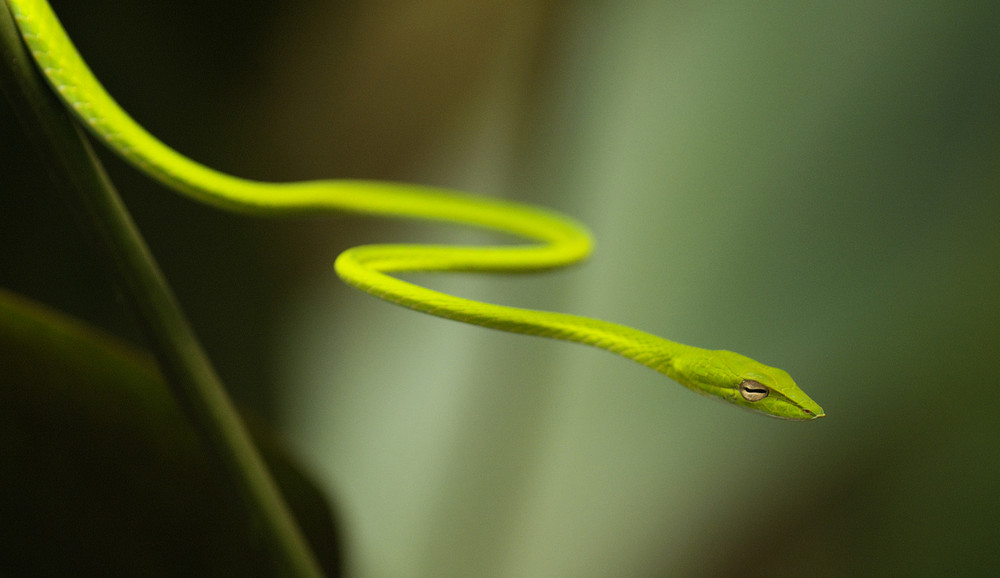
(555,240)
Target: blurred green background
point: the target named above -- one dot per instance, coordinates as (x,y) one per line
(816,185)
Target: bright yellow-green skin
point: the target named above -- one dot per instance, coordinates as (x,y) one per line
(557,240)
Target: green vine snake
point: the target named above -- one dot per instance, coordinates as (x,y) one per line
(557,240)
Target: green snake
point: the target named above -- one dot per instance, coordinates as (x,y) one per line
(556,240)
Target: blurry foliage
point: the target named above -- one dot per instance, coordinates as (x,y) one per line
(103,476)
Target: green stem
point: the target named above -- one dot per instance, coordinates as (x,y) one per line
(79,176)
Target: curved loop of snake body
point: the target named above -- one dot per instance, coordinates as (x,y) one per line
(558,240)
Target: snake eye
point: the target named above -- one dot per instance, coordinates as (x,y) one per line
(753,391)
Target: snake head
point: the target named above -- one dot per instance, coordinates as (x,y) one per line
(749,384)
